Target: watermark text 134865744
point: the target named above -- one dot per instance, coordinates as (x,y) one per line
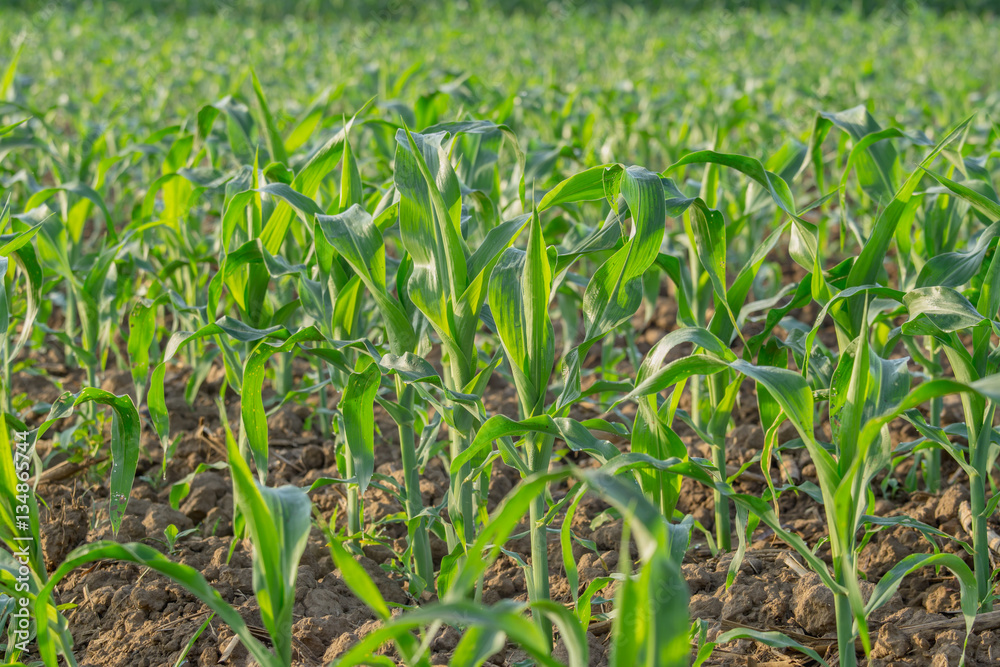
(21,614)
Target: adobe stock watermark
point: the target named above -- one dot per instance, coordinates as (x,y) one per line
(21,617)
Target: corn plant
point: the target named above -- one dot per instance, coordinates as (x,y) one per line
(23,574)
(707,236)
(651,630)
(447,283)
(356,237)
(278,522)
(943,313)
(520,288)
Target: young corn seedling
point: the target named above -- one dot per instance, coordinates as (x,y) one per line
(447,283)
(519,292)
(868,392)
(652,624)
(255,223)
(23,574)
(278,521)
(944,314)
(358,239)
(934,256)
(875,161)
(707,235)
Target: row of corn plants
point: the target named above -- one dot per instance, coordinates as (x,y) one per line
(356,264)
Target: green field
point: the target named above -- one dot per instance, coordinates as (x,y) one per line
(469,335)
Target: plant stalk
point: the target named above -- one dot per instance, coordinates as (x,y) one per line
(932,476)
(69,312)
(420,544)
(845,630)
(353,502)
(539,450)
(324,416)
(723,527)
(283,374)
(461,499)
(980,542)
(461,489)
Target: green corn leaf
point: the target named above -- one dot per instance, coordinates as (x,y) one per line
(953,269)
(837,299)
(125,433)
(279,520)
(587,185)
(987,206)
(585,603)
(674,372)
(653,620)
(877,166)
(868,264)
(252,405)
(477,146)
(654,437)
(724,320)
(909,522)
(141,331)
(275,146)
(355,237)
(628,632)
(429,226)
(770,638)
(501,618)
(125,438)
(81,190)
(573,635)
(519,293)
(27,259)
(146,556)
(10,243)
(566,546)
(357,405)
(476,646)
(7,129)
(772,183)
(572,432)
(676,465)
(358,580)
(615,292)
(889,583)
(938,436)
(709,229)
(942,308)
(495,532)
(351,190)
(8,75)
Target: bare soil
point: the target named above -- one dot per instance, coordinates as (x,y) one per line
(128,616)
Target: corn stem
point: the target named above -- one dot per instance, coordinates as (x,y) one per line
(539,450)
(420,544)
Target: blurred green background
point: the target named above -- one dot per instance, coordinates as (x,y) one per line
(586,81)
